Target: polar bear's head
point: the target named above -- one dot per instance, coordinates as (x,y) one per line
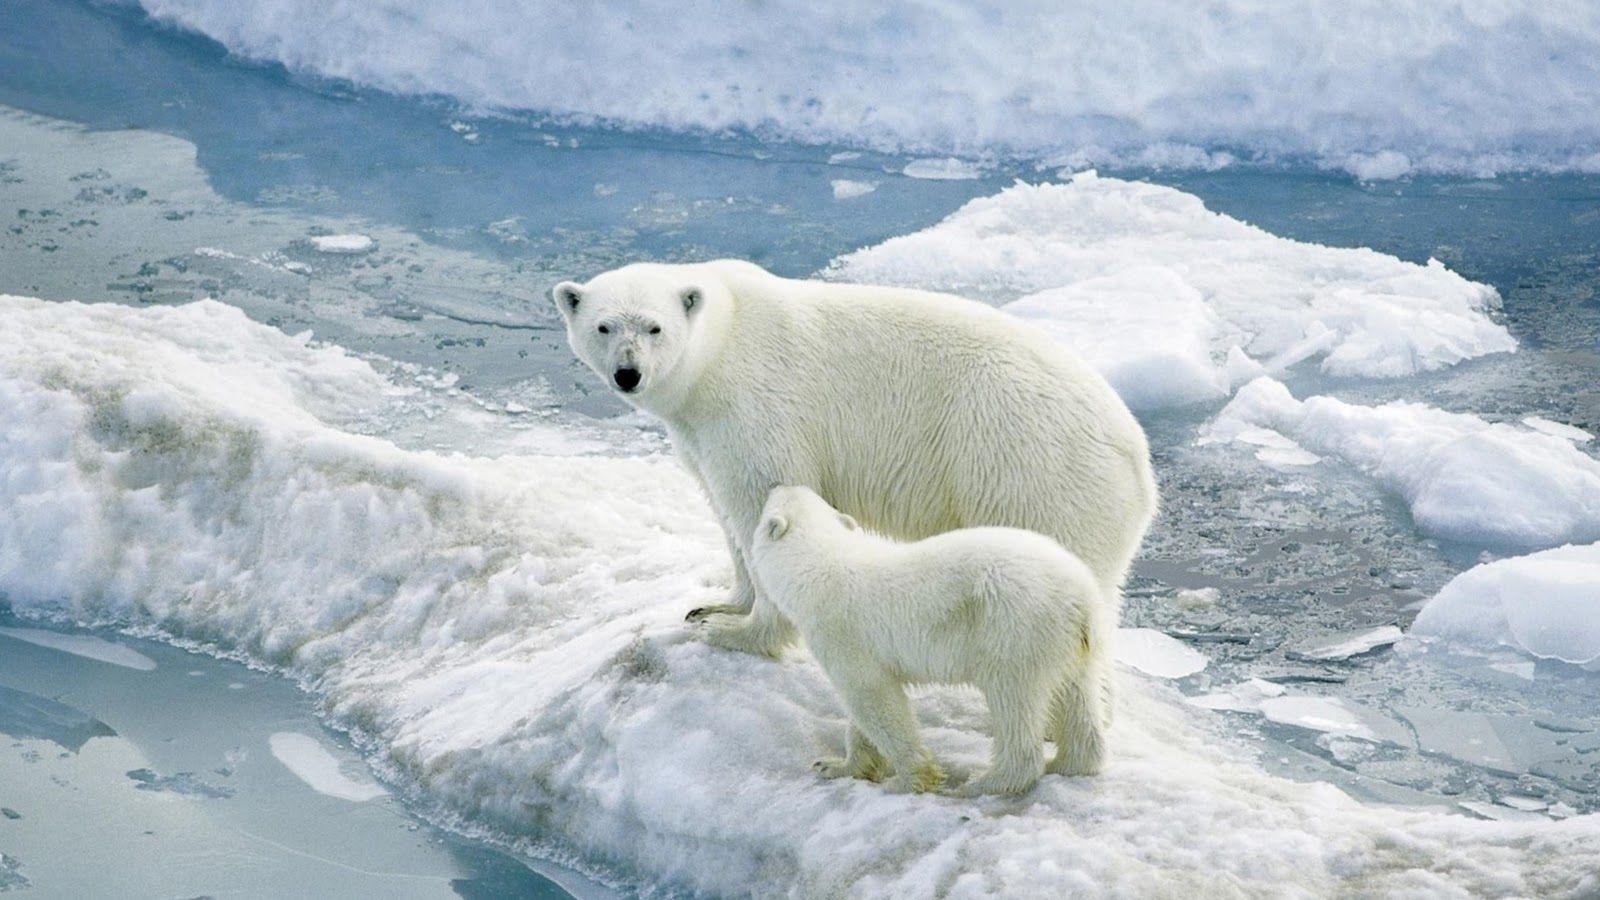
(640,327)
(792,510)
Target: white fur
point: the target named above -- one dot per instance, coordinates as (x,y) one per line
(1006,610)
(916,413)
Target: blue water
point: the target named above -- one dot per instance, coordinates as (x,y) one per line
(544,203)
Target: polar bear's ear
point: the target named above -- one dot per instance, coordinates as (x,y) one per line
(567,294)
(692,298)
(849,523)
(775,527)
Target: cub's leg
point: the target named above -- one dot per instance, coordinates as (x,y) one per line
(880,710)
(1079,721)
(1018,711)
(861,760)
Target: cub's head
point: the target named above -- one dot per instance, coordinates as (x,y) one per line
(792,511)
(636,326)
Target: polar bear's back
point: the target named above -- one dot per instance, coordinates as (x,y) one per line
(919,413)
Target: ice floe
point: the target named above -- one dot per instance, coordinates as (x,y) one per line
(507,635)
(1464,479)
(1545,604)
(1176,304)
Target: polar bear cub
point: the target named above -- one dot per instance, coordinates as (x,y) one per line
(1008,611)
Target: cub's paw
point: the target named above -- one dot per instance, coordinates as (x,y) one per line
(924,777)
(998,784)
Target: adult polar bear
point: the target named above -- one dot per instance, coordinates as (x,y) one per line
(914,412)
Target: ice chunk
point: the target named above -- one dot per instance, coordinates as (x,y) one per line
(312,763)
(1157,654)
(845,189)
(85,645)
(1176,304)
(1501,813)
(343,244)
(1328,714)
(1546,604)
(948,169)
(1378,89)
(1246,696)
(508,634)
(1346,646)
(1558,429)
(1465,479)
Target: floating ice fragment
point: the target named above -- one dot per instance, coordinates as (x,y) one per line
(85,645)
(311,762)
(1545,604)
(1346,646)
(344,244)
(1465,479)
(947,169)
(1327,714)
(845,189)
(1157,654)
(1558,429)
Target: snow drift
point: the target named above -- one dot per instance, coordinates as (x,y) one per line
(505,634)
(1176,304)
(1465,479)
(1376,88)
(1545,604)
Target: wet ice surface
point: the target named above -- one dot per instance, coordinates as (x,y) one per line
(166,781)
(1288,579)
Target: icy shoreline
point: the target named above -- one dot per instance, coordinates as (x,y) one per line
(507,633)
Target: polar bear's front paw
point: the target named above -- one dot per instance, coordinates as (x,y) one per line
(737,633)
(833,767)
(700,613)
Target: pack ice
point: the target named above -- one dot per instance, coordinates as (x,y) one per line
(505,633)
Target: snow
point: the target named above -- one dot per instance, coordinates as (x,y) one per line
(845,189)
(1545,604)
(315,765)
(86,646)
(1377,89)
(343,244)
(506,635)
(1176,304)
(1465,479)
(1157,654)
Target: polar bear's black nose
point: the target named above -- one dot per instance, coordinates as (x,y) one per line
(627,379)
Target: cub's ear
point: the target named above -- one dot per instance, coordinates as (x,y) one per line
(692,299)
(775,527)
(849,523)
(568,295)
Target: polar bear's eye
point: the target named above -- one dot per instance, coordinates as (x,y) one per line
(655,329)
(605,329)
